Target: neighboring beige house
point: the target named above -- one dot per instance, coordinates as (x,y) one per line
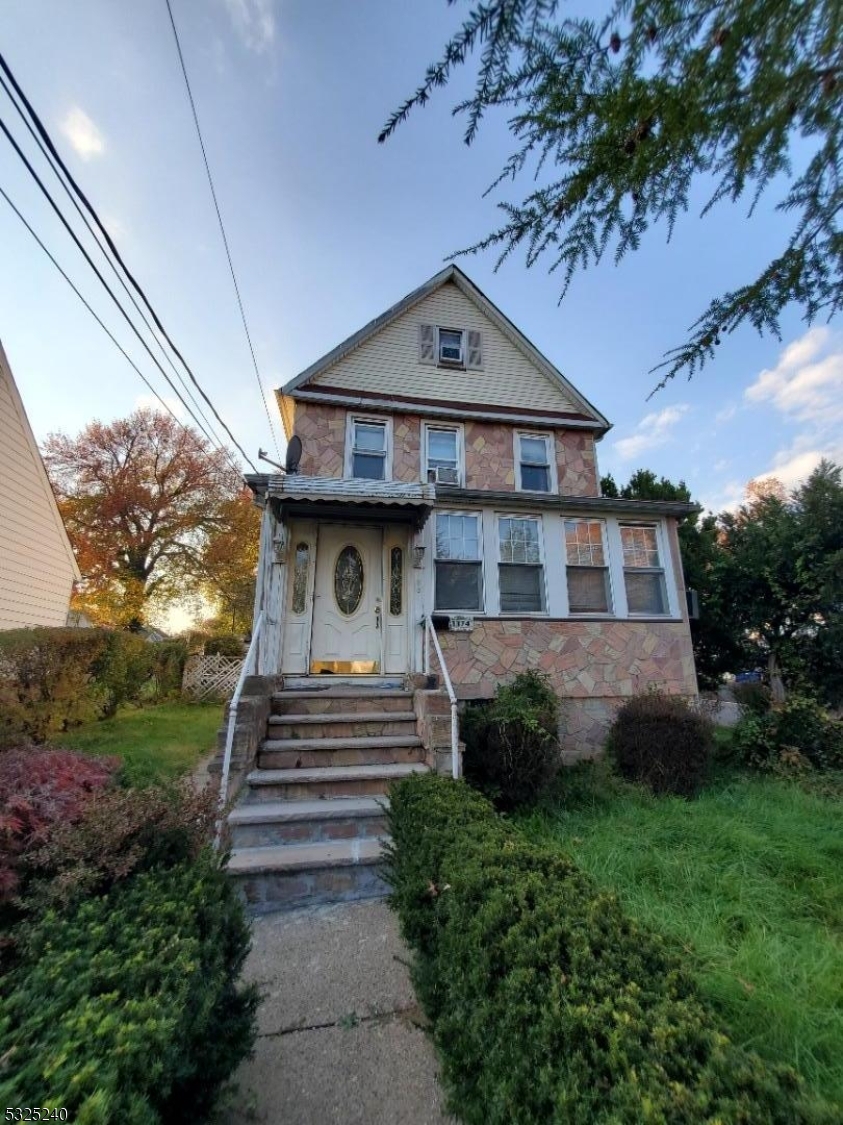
(449,469)
(37,567)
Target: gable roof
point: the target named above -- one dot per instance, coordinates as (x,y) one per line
(451,274)
(41,478)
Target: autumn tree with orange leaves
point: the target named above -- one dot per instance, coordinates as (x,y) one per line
(229,564)
(141,498)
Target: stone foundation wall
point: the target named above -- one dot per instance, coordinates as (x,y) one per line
(594,666)
(249,732)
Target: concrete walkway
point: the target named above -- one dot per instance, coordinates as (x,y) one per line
(340,1038)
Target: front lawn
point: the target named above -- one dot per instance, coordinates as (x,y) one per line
(155,743)
(748,879)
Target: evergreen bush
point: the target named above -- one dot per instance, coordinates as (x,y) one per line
(548,1003)
(511,744)
(226,644)
(660,741)
(127,1007)
(799,725)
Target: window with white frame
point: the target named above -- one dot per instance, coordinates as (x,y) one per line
(587,567)
(533,456)
(458,563)
(643,572)
(451,346)
(443,453)
(369,447)
(520,568)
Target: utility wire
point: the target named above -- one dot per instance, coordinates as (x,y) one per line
(222,227)
(105,329)
(212,435)
(45,136)
(102,280)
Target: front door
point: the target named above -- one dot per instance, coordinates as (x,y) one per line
(347,601)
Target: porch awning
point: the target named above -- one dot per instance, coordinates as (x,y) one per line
(392,499)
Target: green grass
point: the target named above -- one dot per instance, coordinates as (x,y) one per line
(155,743)
(747,879)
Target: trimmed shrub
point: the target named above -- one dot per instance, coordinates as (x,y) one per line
(226,644)
(123,832)
(660,741)
(511,744)
(800,725)
(127,1009)
(47,681)
(752,698)
(41,792)
(548,1004)
(55,679)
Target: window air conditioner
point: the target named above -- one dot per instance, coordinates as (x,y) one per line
(446,476)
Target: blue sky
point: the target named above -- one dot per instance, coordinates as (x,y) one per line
(327,229)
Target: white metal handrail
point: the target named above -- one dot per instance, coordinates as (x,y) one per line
(430,633)
(246,670)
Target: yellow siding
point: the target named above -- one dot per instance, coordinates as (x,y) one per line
(36,573)
(388,363)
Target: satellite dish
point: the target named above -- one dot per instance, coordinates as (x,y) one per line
(293,454)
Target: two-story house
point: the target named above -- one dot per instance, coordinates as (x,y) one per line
(446,493)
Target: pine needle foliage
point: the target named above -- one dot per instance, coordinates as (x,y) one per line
(620,121)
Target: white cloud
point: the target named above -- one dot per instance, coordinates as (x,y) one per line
(653,430)
(807,382)
(726,414)
(254,22)
(83,134)
(150,402)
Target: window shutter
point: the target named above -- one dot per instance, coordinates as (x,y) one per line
(427,343)
(474,358)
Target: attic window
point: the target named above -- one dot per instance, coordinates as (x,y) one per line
(450,347)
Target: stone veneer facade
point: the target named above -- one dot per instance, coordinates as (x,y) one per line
(594,666)
(489,450)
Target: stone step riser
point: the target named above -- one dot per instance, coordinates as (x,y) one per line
(339,705)
(307,831)
(374,728)
(268,891)
(315,790)
(311,759)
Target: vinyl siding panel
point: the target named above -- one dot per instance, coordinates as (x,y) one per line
(36,574)
(388,363)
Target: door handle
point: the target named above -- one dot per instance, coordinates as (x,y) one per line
(377,617)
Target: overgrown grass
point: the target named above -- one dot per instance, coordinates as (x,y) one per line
(155,743)
(747,878)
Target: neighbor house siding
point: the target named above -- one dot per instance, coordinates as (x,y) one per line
(389,364)
(36,570)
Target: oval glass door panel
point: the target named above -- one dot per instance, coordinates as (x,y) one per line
(348,580)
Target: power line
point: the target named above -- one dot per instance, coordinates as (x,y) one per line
(212,435)
(105,329)
(45,136)
(222,227)
(45,192)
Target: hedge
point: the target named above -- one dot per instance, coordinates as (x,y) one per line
(547,1003)
(127,1009)
(55,679)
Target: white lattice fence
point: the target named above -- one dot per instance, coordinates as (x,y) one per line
(210,677)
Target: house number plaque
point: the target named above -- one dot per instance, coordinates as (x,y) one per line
(460,623)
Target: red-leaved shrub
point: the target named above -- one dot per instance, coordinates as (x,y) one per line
(41,789)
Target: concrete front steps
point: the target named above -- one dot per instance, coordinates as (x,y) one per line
(311,823)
